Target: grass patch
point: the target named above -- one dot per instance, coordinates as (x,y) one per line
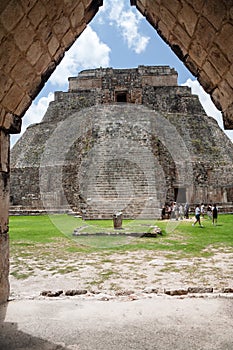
(47,243)
(30,233)
(19,275)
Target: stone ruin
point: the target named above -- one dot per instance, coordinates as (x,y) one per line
(124,140)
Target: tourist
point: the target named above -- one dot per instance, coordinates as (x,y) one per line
(163,213)
(181,211)
(176,211)
(173,205)
(202,210)
(214,214)
(186,210)
(209,211)
(197,216)
(169,211)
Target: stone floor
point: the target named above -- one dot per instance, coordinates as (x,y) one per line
(159,323)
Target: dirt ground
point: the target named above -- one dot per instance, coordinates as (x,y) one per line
(131,274)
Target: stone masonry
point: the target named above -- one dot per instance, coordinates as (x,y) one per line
(122,140)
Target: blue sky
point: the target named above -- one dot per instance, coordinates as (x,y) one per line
(119,37)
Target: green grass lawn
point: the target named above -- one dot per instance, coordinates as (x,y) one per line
(179,238)
(46,244)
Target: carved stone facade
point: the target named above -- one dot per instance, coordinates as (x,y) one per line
(131,140)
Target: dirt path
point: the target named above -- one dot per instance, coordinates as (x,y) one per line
(129,273)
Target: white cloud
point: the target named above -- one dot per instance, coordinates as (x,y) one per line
(207,104)
(87,52)
(34,114)
(127,22)
(37,110)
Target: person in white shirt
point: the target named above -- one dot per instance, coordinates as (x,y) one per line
(202,210)
(197,216)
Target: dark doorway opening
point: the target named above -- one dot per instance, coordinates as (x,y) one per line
(121,97)
(180,194)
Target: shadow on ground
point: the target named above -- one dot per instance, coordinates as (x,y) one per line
(11,338)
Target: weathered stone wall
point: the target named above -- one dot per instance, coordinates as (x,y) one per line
(4,207)
(200,32)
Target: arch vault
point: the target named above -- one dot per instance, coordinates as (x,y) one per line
(34,35)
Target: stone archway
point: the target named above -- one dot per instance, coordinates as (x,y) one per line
(34,35)
(201,35)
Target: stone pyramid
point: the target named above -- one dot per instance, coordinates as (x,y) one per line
(125,140)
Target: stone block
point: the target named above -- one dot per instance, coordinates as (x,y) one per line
(53,45)
(12,15)
(218,99)
(10,57)
(58,56)
(197,53)
(226,94)
(178,47)
(11,124)
(77,16)
(182,35)
(61,26)
(24,34)
(141,6)
(218,60)
(163,30)
(23,106)
(3,32)
(12,99)
(68,39)
(205,81)
(2,115)
(4,263)
(230,11)
(228,118)
(229,76)
(42,64)
(172,6)
(54,9)
(37,14)
(205,33)
(5,84)
(187,18)
(45,31)
(34,52)
(35,87)
(28,4)
(197,4)
(215,12)
(87,3)
(167,17)
(68,7)
(77,31)
(4,165)
(225,40)
(23,74)
(92,9)
(211,73)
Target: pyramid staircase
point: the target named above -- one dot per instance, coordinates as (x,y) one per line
(119,173)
